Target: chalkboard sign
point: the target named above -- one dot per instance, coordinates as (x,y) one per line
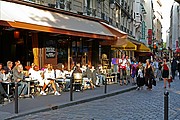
(50,52)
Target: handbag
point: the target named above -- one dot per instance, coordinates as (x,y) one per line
(170,79)
(154,82)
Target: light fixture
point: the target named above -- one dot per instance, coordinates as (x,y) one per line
(16,34)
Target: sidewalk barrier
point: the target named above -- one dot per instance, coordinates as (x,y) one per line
(71,90)
(166,105)
(16,97)
(105,85)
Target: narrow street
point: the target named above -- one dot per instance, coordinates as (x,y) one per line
(133,105)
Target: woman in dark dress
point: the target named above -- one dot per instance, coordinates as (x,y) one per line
(179,68)
(149,75)
(140,76)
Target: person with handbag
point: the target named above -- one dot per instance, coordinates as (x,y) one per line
(166,71)
(122,68)
(149,75)
(140,76)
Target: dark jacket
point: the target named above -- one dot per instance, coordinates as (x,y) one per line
(178,67)
(174,65)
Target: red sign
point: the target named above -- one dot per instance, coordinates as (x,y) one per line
(149,36)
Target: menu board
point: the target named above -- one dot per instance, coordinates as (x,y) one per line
(50,52)
(50,46)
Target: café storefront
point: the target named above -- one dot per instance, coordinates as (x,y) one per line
(45,36)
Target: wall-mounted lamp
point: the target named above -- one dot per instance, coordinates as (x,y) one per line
(16,34)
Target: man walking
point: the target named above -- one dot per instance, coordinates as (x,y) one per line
(173,67)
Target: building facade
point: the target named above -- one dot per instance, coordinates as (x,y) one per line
(174,27)
(68,31)
(158,42)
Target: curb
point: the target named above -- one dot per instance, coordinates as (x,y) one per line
(71,103)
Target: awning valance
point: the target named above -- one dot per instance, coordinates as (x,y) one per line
(127,46)
(26,17)
(122,42)
(143,48)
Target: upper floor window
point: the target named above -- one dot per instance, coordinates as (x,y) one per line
(88,7)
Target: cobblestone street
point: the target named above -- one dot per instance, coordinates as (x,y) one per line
(133,105)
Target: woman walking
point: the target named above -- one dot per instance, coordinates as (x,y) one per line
(133,72)
(166,70)
(149,75)
(140,76)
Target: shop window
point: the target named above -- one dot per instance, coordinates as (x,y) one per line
(80,50)
(62,51)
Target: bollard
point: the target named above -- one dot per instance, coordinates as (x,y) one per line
(105,86)
(166,105)
(71,90)
(16,97)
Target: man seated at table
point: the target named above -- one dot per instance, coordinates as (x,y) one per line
(36,74)
(61,75)
(18,76)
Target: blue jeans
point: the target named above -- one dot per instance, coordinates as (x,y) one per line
(101,79)
(22,88)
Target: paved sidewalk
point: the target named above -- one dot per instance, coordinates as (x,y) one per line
(50,102)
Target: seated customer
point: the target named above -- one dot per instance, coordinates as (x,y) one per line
(37,75)
(89,76)
(18,76)
(61,75)
(77,86)
(49,76)
(2,91)
(3,76)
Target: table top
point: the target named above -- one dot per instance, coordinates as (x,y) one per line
(7,82)
(29,80)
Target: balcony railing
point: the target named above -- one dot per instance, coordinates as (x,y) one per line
(59,4)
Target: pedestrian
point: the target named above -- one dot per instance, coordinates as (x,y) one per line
(122,68)
(128,70)
(133,72)
(166,70)
(155,65)
(173,67)
(179,69)
(149,75)
(140,76)
(159,71)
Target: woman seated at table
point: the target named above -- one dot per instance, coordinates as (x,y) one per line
(61,75)
(49,76)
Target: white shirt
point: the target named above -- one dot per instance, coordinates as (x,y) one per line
(49,74)
(61,74)
(3,76)
(30,71)
(140,73)
(36,75)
